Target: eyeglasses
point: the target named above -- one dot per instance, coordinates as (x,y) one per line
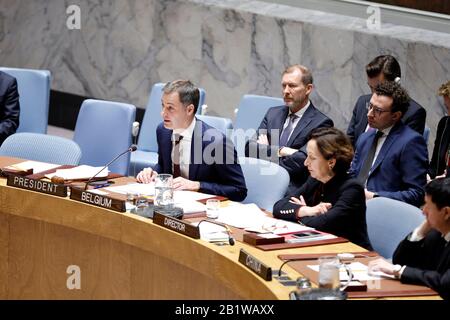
(376,111)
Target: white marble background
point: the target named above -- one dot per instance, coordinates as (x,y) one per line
(228,47)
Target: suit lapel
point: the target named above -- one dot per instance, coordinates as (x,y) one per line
(386,146)
(196,151)
(166,147)
(302,123)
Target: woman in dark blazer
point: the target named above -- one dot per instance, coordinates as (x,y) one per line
(330,200)
(441,152)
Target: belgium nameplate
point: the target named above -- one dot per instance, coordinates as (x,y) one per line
(97,199)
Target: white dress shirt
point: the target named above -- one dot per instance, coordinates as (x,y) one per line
(185,148)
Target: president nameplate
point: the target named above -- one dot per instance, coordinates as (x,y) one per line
(176,225)
(37,185)
(97,200)
(255,265)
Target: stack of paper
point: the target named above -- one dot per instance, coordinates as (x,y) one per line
(79,173)
(134,188)
(212,232)
(35,165)
(251,218)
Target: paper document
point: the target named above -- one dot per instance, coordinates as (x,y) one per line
(212,232)
(359,271)
(35,165)
(146,189)
(251,218)
(80,172)
(182,195)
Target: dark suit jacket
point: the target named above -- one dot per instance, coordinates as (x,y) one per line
(9,106)
(221,175)
(427,262)
(400,170)
(441,146)
(414,118)
(272,125)
(347,216)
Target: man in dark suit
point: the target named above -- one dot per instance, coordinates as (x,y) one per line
(200,157)
(392,161)
(9,106)
(423,257)
(383,68)
(284,131)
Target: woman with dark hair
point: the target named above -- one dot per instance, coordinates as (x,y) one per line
(330,200)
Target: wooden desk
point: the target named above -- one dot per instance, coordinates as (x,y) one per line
(120,255)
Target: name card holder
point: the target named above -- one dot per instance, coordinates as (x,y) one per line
(176,225)
(36,185)
(97,199)
(255,265)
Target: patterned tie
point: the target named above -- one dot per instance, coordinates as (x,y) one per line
(288,130)
(176,156)
(367,165)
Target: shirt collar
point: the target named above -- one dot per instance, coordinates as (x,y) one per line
(186,133)
(386,131)
(300,112)
(447,237)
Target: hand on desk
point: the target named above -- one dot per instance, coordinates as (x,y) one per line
(147,175)
(382,265)
(180,183)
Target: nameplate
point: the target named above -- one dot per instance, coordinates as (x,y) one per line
(97,200)
(176,225)
(37,185)
(255,265)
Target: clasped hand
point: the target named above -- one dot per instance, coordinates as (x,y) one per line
(305,210)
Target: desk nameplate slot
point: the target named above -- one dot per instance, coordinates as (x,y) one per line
(176,225)
(255,265)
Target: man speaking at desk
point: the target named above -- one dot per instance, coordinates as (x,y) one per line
(199,157)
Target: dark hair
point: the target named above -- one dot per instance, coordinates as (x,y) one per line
(439,191)
(307,77)
(385,64)
(398,94)
(333,143)
(188,93)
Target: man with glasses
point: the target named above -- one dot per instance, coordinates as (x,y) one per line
(380,69)
(391,160)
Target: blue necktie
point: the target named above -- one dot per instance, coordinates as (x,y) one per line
(288,130)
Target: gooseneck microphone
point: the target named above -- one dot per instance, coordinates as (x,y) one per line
(130,149)
(227,229)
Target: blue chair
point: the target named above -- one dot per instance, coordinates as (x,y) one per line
(267,182)
(388,222)
(34,97)
(103,131)
(147,153)
(221,124)
(41,147)
(250,113)
(426,134)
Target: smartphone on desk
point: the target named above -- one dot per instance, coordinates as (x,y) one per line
(306,234)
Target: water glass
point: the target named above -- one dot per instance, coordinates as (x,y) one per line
(329,272)
(212,208)
(164,190)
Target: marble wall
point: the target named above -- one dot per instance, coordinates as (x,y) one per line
(228,47)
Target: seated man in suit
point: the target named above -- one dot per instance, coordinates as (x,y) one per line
(423,257)
(9,106)
(383,68)
(199,156)
(391,161)
(295,121)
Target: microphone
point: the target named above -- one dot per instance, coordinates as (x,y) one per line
(227,229)
(130,149)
